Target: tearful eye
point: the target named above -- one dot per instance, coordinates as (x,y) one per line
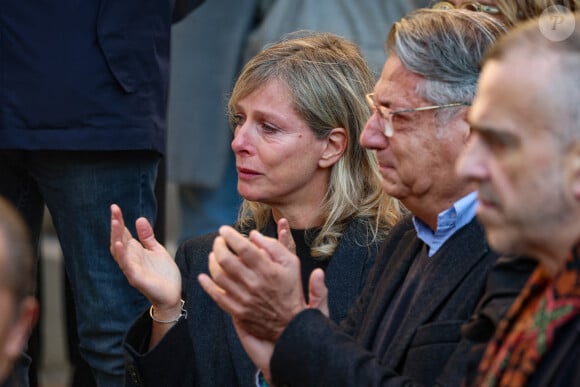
(266,128)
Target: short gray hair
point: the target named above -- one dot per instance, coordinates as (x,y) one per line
(446,48)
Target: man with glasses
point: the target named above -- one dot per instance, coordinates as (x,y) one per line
(432,270)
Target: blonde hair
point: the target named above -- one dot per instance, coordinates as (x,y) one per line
(328,79)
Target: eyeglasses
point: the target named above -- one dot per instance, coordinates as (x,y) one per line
(387,116)
(469,5)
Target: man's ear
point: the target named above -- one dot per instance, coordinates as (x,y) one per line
(22,327)
(335,147)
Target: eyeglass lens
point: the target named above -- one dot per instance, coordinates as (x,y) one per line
(384,115)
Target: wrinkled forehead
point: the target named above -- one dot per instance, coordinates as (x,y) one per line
(397,82)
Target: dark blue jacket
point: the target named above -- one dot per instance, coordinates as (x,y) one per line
(85,75)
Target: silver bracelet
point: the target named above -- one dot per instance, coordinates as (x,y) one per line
(183,314)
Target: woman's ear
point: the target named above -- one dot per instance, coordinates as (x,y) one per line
(335,147)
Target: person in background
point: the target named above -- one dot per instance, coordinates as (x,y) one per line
(297,110)
(199,159)
(84,94)
(510,12)
(18,307)
(365,22)
(524,156)
(516,11)
(432,271)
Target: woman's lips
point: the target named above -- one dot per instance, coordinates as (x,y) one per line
(247,173)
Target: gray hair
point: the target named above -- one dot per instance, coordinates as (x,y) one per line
(16,258)
(446,48)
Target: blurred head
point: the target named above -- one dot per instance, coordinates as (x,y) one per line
(18,309)
(434,58)
(297,110)
(524,151)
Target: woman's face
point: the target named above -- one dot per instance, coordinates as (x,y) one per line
(278,158)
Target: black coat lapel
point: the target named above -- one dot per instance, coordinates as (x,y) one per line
(348,269)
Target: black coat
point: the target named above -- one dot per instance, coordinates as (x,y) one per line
(561,365)
(428,351)
(204,350)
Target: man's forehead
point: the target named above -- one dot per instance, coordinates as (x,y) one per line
(510,99)
(491,109)
(506,80)
(486,88)
(397,81)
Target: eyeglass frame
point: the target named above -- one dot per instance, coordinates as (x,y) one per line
(478,7)
(384,112)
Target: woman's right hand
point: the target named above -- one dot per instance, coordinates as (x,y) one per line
(147,265)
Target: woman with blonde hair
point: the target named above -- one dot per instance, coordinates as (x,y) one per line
(297,109)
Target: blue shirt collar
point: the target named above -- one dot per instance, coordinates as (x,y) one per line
(448,222)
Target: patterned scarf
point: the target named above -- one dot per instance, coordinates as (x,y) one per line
(527,332)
